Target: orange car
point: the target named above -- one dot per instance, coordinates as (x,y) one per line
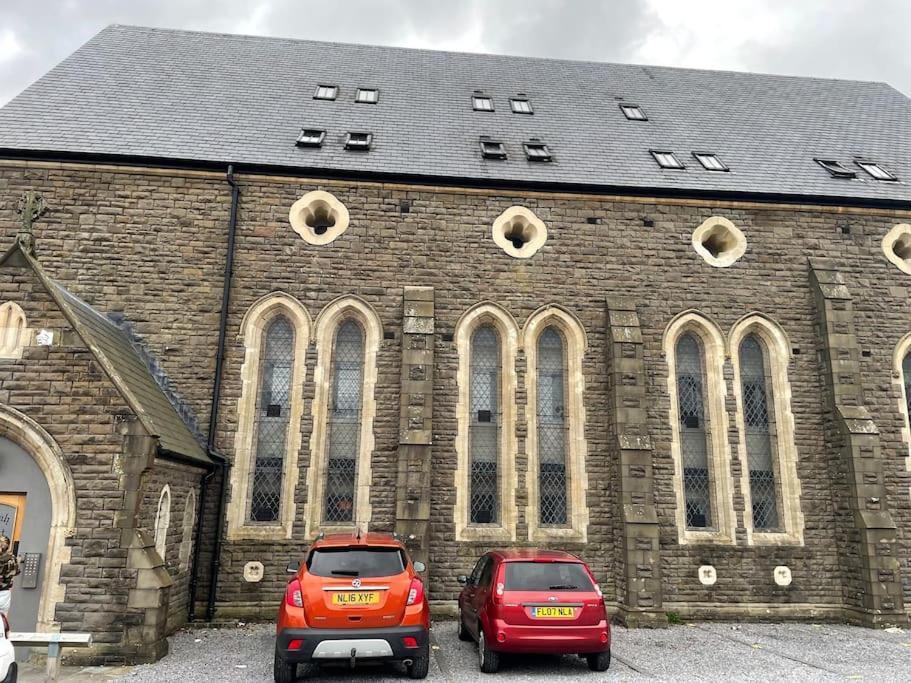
(356,597)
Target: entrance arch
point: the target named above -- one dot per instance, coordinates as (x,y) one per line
(32,438)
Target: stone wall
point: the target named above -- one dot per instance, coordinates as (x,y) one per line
(636,250)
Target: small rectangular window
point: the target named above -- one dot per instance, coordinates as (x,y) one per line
(537,151)
(875,170)
(492,149)
(481,103)
(311,137)
(358,141)
(367,95)
(521,105)
(835,169)
(710,162)
(326,92)
(633,112)
(667,160)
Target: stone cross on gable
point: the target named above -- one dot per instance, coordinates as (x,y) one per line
(31,207)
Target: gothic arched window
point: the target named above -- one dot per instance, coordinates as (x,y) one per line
(694,432)
(272,419)
(551,391)
(759,433)
(344,423)
(484,426)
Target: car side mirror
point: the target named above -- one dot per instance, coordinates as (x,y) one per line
(420,567)
(462,579)
(293,566)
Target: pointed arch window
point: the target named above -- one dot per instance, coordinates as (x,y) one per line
(551,390)
(768,455)
(163,521)
(264,476)
(759,436)
(694,432)
(344,423)
(484,430)
(272,413)
(906,374)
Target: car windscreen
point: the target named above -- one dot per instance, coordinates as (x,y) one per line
(547,576)
(355,562)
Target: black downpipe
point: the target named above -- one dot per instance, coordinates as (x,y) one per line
(216,394)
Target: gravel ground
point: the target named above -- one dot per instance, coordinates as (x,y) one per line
(702,651)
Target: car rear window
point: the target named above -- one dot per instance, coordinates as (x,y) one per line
(547,576)
(356,562)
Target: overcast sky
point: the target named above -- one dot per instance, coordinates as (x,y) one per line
(828,38)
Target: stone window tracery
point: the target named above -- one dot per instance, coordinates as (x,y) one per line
(484,435)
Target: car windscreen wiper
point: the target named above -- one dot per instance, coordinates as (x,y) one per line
(345,572)
(563,587)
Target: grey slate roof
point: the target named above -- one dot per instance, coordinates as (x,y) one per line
(131,375)
(239,99)
(114,349)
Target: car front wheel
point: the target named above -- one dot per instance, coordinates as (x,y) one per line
(599,661)
(283,671)
(489,661)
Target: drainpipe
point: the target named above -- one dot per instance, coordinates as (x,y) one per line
(221,464)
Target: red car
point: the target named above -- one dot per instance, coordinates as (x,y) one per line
(533,601)
(357,597)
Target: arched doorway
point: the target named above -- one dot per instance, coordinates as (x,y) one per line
(25,516)
(37,487)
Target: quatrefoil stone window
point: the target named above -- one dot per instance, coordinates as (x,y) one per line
(319,217)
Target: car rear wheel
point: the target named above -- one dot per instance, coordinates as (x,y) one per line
(461,631)
(283,671)
(599,661)
(420,665)
(489,661)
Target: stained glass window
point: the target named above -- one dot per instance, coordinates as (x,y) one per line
(551,384)
(484,426)
(760,441)
(694,432)
(344,422)
(272,408)
(906,372)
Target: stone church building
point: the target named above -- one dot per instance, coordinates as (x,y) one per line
(255,288)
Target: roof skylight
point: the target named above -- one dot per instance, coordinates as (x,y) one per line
(311,137)
(633,112)
(535,150)
(492,149)
(358,141)
(710,162)
(875,170)
(667,159)
(481,102)
(326,92)
(521,105)
(367,95)
(835,169)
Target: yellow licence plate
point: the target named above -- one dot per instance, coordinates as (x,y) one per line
(356,598)
(553,612)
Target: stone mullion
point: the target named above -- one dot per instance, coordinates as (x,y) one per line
(641,597)
(880,599)
(412,501)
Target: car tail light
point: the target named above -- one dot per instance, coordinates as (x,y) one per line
(603,636)
(498,593)
(295,644)
(598,591)
(501,637)
(410,642)
(293,596)
(415,592)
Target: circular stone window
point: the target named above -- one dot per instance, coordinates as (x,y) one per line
(318,217)
(519,232)
(897,246)
(719,242)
